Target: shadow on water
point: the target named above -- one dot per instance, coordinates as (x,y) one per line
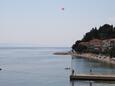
(86,83)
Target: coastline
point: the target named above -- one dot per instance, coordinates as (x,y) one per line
(96,57)
(61,53)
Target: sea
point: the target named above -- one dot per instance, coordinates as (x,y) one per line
(38,66)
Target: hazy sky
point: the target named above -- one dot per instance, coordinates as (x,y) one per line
(42,22)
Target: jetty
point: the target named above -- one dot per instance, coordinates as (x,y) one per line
(93,77)
(61,53)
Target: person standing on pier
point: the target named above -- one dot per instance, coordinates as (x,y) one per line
(90,71)
(72,72)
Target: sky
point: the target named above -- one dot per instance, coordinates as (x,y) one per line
(44,23)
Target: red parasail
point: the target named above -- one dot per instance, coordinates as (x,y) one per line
(63,9)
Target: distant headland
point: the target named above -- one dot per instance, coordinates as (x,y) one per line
(97,44)
(97,41)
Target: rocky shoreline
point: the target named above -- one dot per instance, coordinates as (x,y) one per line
(97,57)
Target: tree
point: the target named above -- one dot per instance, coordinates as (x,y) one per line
(104,32)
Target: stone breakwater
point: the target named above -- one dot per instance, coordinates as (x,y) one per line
(61,53)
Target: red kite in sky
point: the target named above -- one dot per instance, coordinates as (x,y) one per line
(62,9)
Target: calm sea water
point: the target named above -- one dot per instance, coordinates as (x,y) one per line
(39,67)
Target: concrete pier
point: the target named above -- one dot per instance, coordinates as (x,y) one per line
(94,77)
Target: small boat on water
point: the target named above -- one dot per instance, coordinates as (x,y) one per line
(67,68)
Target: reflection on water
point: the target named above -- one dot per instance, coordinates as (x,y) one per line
(85,66)
(81,65)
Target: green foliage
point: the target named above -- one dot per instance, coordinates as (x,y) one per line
(104,32)
(91,35)
(81,48)
(75,46)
